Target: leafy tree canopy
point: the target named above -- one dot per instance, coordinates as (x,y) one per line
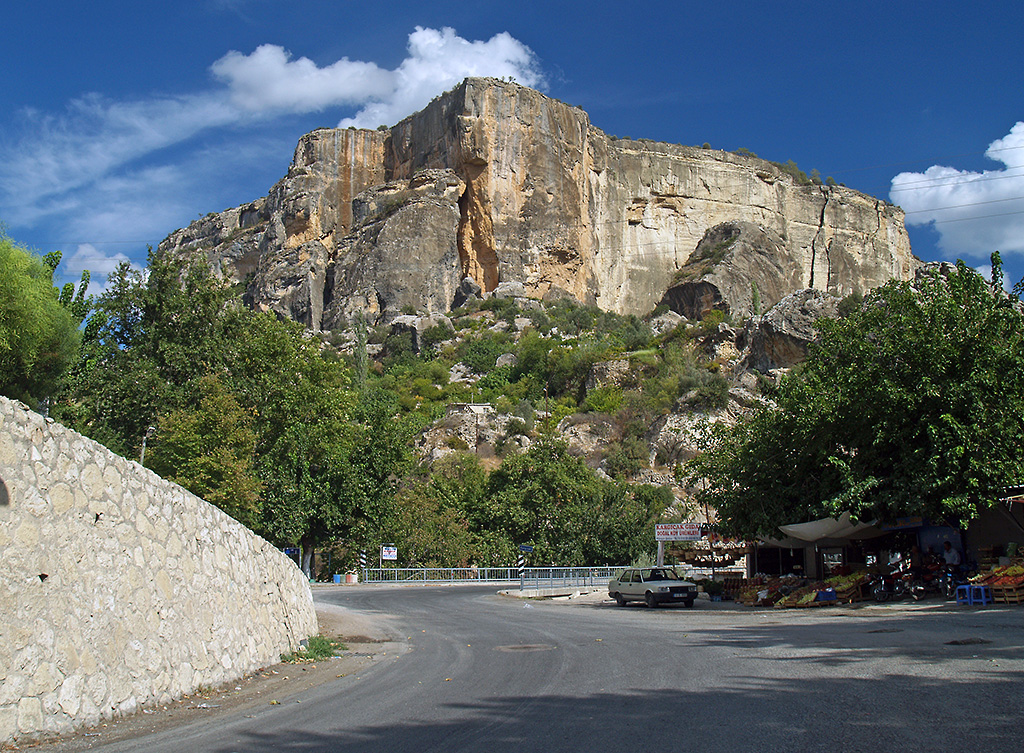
(39,337)
(913,404)
(547,497)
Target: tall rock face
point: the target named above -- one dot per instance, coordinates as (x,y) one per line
(546,200)
(736,268)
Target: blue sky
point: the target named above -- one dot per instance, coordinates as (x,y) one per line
(121,121)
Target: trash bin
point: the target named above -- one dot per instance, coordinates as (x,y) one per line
(351,577)
(337,578)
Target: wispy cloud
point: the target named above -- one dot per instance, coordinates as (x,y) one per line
(93,138)
(103,169)
(974,213)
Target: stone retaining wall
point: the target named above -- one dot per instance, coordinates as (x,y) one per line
(119,589)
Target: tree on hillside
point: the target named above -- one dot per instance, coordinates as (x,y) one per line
(913,404)
(39,338)
(430,522)
(552,500)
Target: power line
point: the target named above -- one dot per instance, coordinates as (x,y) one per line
(960,206)
(928,159)
(955,180)
(979,217)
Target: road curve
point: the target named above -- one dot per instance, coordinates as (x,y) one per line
(490,673)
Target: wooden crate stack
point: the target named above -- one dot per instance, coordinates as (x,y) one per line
(1006,583)
(1008,594)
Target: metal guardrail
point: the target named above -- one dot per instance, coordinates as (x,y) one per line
(532,577)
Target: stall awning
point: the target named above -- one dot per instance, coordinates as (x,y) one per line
(831,528)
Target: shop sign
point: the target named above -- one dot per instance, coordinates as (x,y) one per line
(677,531)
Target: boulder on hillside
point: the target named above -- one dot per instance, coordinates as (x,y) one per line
(779,339)
(509,290)
(466,427)
(469,290)
(720,343)
(738,268)
(588,434)
(417,325)
(615,373)
(665,322)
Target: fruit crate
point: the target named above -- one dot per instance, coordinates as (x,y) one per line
(1007,595)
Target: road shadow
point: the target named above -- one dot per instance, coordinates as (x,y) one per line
(895,713)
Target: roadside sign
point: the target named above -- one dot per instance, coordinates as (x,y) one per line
(389,552)
(525,548)
(677,531)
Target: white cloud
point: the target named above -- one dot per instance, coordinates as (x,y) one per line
(269,80)
(65,164)
(974,213)
(88,257)
(99,264)
(437,61)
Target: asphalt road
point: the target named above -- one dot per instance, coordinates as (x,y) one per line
(489,673)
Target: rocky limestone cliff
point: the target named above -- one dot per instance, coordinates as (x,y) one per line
(739,268)
(545,200)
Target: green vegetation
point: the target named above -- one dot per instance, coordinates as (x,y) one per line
(317,648)
(313,448)
(790,168)
(912,404)
(39,338)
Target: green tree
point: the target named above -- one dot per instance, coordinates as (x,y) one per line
(550,499)
(149,340)
(209,449)
(913,404)
(302,412)
(430,524)
(78,304)
(39,338)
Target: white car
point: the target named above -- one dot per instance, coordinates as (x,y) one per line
(653,586)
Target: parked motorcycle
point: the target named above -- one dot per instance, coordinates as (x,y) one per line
(891,584)
(927,582)
(952,577)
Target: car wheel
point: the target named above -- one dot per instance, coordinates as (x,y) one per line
(689,603)
(649,600)
(620,600)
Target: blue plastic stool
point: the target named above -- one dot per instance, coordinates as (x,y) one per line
(963,594)
(979,594)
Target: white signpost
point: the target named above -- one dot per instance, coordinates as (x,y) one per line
(677,532)
(388,552)
(674,532)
